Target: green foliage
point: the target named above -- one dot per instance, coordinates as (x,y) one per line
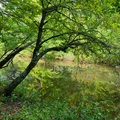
(50,110)
(88,26)
(58,25)
(20,22)
(49,95)
(110,59)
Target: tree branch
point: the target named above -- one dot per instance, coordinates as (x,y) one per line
(13,53)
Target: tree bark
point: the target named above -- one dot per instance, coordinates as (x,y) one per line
(7,91)
(12,54)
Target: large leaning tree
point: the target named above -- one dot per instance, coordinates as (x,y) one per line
(51,25)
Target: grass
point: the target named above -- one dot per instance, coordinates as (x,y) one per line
(61,91)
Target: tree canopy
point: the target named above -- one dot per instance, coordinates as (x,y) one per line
(56,25)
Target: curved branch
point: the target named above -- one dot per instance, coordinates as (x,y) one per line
(61,34)
(13,53)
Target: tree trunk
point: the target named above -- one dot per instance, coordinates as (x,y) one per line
(10,88)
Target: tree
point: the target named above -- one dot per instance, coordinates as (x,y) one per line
(54,25)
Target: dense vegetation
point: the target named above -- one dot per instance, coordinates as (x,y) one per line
(60,59)
(66,92)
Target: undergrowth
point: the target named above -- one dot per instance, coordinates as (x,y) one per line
(63,95)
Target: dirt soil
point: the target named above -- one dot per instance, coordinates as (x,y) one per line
(10,108)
